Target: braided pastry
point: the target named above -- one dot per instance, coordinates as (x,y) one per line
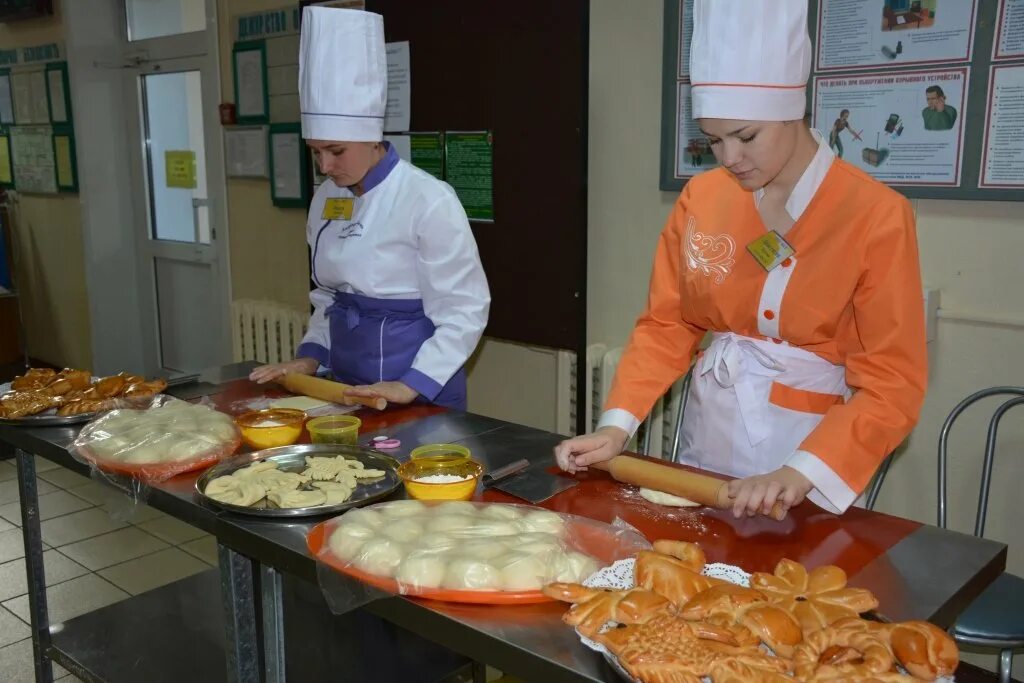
(25,403)
(108,387)
(841,652)
(817,599)
(748,613)
(34,378)
(595,607)
(143,389)
(85,406)
(79,379)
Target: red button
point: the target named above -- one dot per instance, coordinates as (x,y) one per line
(777,341)
(787,263)
(770,315)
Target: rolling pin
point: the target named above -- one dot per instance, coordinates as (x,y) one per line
(699,488)
(326,390)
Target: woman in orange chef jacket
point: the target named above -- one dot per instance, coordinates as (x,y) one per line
(803,269)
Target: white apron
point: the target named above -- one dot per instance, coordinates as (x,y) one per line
(731,424)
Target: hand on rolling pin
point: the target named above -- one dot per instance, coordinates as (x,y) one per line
(392,392)
(299,366)
(573,455)
(757,494)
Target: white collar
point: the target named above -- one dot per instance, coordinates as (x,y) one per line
(805,188)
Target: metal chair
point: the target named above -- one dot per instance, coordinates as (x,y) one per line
(645,431)
(995,620)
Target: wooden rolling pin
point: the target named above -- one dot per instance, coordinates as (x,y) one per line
(696,487)
(326,390)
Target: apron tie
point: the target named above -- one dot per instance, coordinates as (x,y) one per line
(350,311)
(734,362)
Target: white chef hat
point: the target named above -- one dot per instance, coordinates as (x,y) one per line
(750,59)
(343,75)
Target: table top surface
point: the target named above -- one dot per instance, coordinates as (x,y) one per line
(917,571)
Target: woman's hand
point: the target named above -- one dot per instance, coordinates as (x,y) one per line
(299,366)
(759,494)
(392,392)
(575,454)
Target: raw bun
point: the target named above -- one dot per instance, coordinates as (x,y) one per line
(369,518)
(347,540)
(486,528)
(450,523)
(482,549)
(421,570)
(543,521)
(403,530)
(380,556)
(455,507)
(520,572)
(576,567)
(402,508)
(436,540)
(499,511)
(662,498)
(465,573)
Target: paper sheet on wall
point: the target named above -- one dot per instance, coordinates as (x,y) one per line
(32,158)
(685,35)
(1009,39)
(893,128)
(249,72)
(397,115)
(402,145)
(6,101)
(29,91)
(1002,163)
(872,33)
(58,101)
(246,152)
(65,167)
(6,173)
(693,153)
(287,165)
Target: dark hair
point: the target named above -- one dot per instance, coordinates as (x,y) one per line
(845,111)
(935,89)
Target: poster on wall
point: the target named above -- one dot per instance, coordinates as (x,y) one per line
(32,158)
(861,34)
(397,113)
(1009,40)
(693,153)
(1002,161)
(685,35)
(902,128)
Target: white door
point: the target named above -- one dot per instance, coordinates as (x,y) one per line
(179,189)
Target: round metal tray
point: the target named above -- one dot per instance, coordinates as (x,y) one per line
(47,418)
(293,459)
(613,662)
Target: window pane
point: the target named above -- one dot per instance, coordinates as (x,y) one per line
(156,18)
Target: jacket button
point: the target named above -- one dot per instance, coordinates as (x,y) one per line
(777,341)
(787,263)
(769,315)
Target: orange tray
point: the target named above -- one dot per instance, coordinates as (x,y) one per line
(161,471)
(597,539)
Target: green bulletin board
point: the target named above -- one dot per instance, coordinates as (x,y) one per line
(469,169)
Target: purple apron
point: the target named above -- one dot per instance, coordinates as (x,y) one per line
(376,340)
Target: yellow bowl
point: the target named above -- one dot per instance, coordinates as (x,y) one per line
(413,472)
(446,452)
(271,428)
(342,429)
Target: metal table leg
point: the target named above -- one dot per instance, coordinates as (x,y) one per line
(238,595)
(32,536)
(479,672)
(272,608)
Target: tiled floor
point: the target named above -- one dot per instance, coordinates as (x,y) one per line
(98,550)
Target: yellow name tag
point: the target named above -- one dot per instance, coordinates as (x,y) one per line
(338,209)
(770,250)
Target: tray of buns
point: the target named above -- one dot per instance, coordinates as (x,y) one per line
(44,397)
(300,481)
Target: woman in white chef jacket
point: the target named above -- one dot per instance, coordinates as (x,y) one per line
(803,268)
(401,298)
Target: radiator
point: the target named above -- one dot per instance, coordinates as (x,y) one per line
(601,364)
(265,331)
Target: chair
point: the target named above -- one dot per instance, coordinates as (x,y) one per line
(995,620)
(644,445)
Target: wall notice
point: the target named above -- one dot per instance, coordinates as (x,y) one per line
(469,169)
(857,34)
(1009,40)
(1002,163)
(904,128)
(693,153)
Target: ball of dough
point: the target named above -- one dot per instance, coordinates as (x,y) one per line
(433,540)
(380,556)
(402,508)
(576,567)
(520,572)
(545,546)
(482,549)
(662,498)
(219,485)
(489,528)
(369,518)
(403,529)
(465,573)
(217,430)
(187,449)
(421,570)
(455,507)
(544,521)
(499,511)
(347,541)
(450,523)
(144,454)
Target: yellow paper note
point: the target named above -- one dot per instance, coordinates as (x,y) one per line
(6,177)
(65,172)
(180,167)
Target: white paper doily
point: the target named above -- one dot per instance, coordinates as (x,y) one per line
(619,576)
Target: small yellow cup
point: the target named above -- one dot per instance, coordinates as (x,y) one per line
(343,429)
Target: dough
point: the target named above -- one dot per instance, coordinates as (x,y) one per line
(548,546)
(347,479)
(256,468)
(348,540)
(402,508)
(576,567)
(433,540)
(421,570)
(380,556)
(483,549)
(144,454)
(499,511)
(521,572)
(490,528)
(542,520)
(220,485)
(243,493)
(276,479)
(465,573)
(187,449)
(287,498)
(360,473)
(662,498)
(299,403)
(336,493)
(369,518)
(450,523)
(403,530)
(454,507)
(321,472)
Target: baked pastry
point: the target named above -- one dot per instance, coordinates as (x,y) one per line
(86,405)
(832,653)
(690,554)
(142,389)
(109,387)
(746,611)
(34,378)
(817,599)
(595,607)
(25,403)
(670,577)
(79,379)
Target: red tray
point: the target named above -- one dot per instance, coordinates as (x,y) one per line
(161,471)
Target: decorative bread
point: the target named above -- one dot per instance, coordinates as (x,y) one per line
(836,652)
(817,599)
(670,577)
(595,607)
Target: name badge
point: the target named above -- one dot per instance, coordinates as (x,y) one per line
(770,250)
(338,208)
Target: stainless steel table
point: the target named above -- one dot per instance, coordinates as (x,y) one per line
(928,573)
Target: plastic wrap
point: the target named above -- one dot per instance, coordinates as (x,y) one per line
(461,551)
(153,444)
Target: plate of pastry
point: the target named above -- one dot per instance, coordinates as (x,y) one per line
(44,397)
(300,481)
